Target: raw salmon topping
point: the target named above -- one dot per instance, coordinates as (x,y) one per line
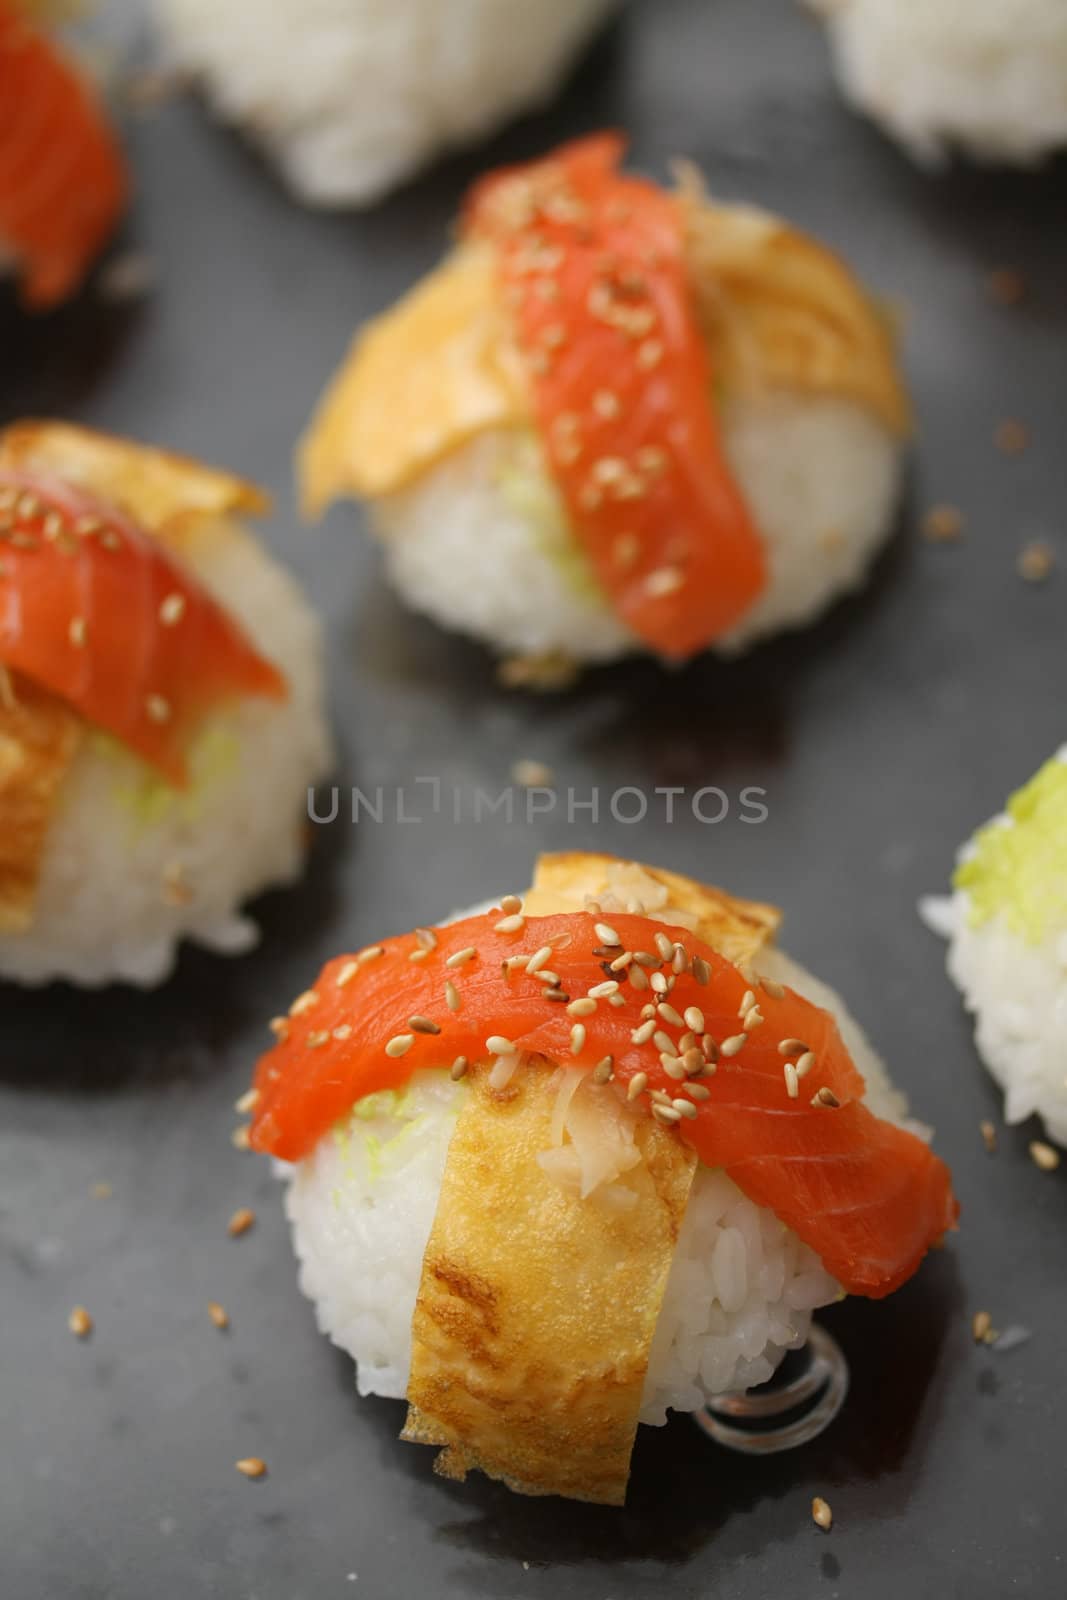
(63,182)
(594,272)
(98,613)
(756,1078)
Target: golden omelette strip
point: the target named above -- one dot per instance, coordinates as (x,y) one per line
(778,310)
(536,1309)
(176,500)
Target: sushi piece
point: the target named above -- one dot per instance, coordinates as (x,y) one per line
(350,100)
(63,181)
(161,709)
(618,419)
(1006,922)
(976,76)
(556,1167)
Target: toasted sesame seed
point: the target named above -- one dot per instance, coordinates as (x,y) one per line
(304,1002)
(989,1136)
(423,1025)
(805,1063)
(748,1000)
(511,904)
(645,958)
(684,1108)
(157,708)
(513,923)
(317,1039)
(638,977)
(604,1070)
(451,995)
(663,1041)
(1044,1156)
(458,1068)
(577,1038)
(791,1047)
(659,983)
(558,994)
(246,1102)
(251,1467)
(753,1018)
(617,1000)
(172,610)
(242,1219)
(80,1322)
(426,938)
(775,990)
(821,1514)
(698,1091)
(710,1046)
(825,1097)
(701,971)
(601,991)
(694,1018)
(582,1008)
(371,953)
(638,1084)
(539,959)
(731,1046)
(693,1062)
(78,632)
(665,947)
(669,1015)
(622,963)
(218,1314)
(606,934)
(497,1045)
(981,1324)
(342,1032)
(399,1044)
(644,1033)
(666,1113)
(461,956)
(792,1081)
(546,975)
(279,1026)
(239,1137)
(347,973)
(672,1065)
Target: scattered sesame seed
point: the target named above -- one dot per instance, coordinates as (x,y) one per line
(539,959)
(80,1323)
(1036,561)
(942,524)
(279,1026)
(511,904)
(698,1091)
(644,1033)
(753,1019)
(577,1038)
(239,1137)
(304,1002)
(775,990)
(638,977)
(684,1108)
(451,995)
(218,1315)
(423,1025)
(157,708)
(792,1080)
(616,1000)
(701,970)
(748,1000)
(242,1219)
(546,975)
(680,959)
(606,404)
(731,1046)
(458,1068)
(825,1097)
(665,947)
(557,994)
(251,1467)
(78,632)
(582,1008)
(637,1085)
(805,1063)
(347,973)
(497,1045)
(989,1136)
(621,963)
(710,1046)
(461,957)
(1044,1156)
(1011,437)
(426,938)
(673,1066)
(601,991)
(664,1042)
(668,1013)
(649,354)
(659,983)
(604,1070)
(821,1514)
(663,581)
(606,934)
(666,1113)
(791,1047)
(400,1044)
(172,610)
(981,1326)
(316,1040)
(342,1032)
(513,923)
(693,1062)
(694,1018)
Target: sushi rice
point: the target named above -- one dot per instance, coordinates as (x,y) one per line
(741,1288)
(821,477)
(988,77)
(1006,924)
(350,97)
(103,909)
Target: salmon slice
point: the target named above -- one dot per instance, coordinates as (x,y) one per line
(869,1197)
(101,615)
(63,182)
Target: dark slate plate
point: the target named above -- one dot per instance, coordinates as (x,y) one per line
(880,737)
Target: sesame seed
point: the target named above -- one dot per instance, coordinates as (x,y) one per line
(419,954)
(693,1062)
(427,938)
(733,1044)
(710,1046)
(371,953)
(577,1038)
(582,1008)
(461,956)
(458,1068)
(663,581)
(664,1042)
(666,1113)
(668,1013)
(342,1032)
(315,1041)
(941,524)
(805,1063)
(251,1467)
(423,1025)
(792,1081)
(698,1091)
(821,1514)
(399,1044)
(791,1047)
(172,610)
(748,1000)
(825,1097)
(604,1070)
(989,1136)
(684,1108)
(539,959)
(775,990)
(606,404)
(1036,561)
(510,904)
(513,923)
(752,1019)
(606,934)
(240,1222)
(616,1000)
(497,1045)
(638,1084)
(665,946)
(601,991)
(621,963)
(680,959)
(347,973)
(304,1002)
(78,632)
(451,995)
(672,1066)
(557,994)
(659,983)
(247,1102)
(981,1326)
(649,354)
(279,1026)
(157,708)
(80,1323)
(701,970)
(218,1314)
(644,1033)
(546,975)
(638,977)
(1044,1156)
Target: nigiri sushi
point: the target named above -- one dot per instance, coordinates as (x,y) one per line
(161,709)
(63,182)
(618,418)
(987,78)
(559,1166)
(1006,923)
(352,98)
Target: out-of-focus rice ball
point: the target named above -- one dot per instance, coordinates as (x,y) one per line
(482,543)
(350,97)
(987,77)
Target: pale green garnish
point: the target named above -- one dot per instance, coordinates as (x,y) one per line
(527,489)
(147,798)
(1017,867)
